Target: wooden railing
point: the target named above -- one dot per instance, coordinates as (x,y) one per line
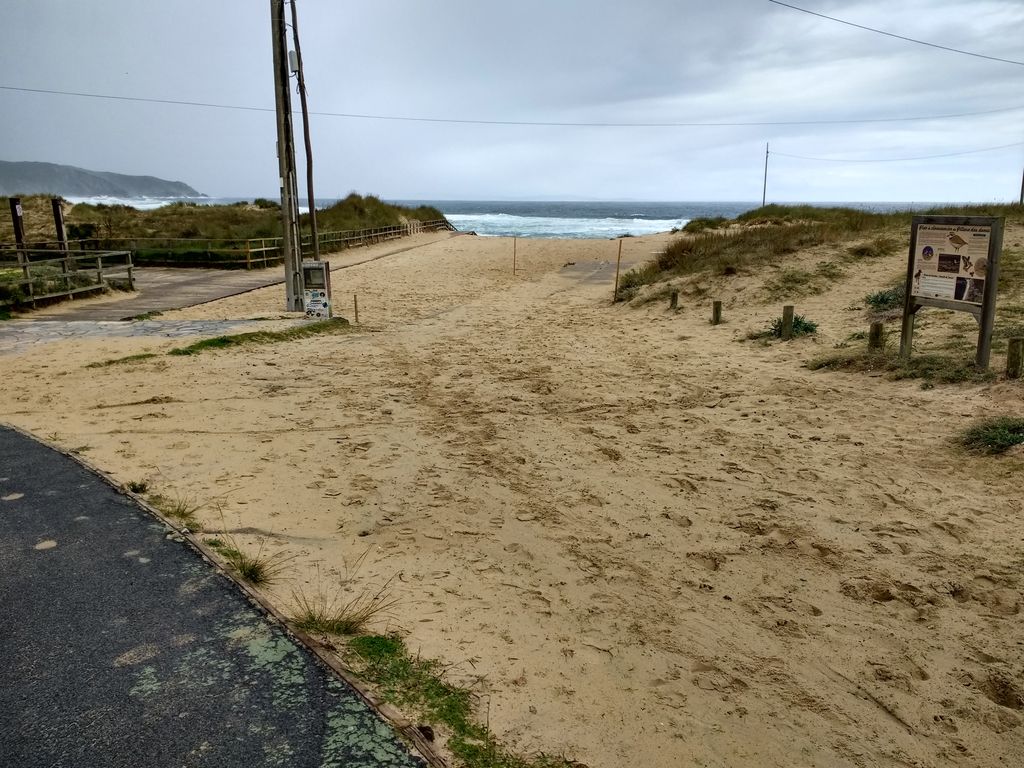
(253,253)
(31,275)
(261,252)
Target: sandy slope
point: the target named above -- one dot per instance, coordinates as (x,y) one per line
(646,541)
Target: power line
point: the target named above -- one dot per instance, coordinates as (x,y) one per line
(900,159)
(404,118)
(899,37)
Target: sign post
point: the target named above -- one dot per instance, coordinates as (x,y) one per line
(954,264)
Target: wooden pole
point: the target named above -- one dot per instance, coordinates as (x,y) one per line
(1022,188)
(305,133)
(1015,358)
(716,313)
(673,300)
(787,322)
(514,248)
(764,189)
(19,234)
(355,308)
(618,263)
(876,336)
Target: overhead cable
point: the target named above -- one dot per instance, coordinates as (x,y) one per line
(405,118)
(899,159)
(899,37)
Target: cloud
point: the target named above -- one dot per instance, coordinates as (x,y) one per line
(648,61)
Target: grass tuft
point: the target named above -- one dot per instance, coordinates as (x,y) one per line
(931,368)
(888,299)
(341,617)
(260,569)
(180,508)
(122,360)
(994,436)
(875,248)
(137,486)
(336,325)
(416,683)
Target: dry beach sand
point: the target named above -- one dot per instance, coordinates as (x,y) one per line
(643,540)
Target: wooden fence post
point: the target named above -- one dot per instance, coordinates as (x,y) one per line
(716,313)
(876,336)
(673,300)
(355,308)
(787,322)
(618,264)
(1015,358)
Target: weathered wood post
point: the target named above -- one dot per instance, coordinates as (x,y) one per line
(618,263)
(716,313)
(787,322)
(515,246)
(19,235)
(355,308)
(673,300)
(876,336)
(1015,358)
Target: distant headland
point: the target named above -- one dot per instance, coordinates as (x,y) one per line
(27,178)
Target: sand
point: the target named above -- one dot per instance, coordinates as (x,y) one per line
(642,539)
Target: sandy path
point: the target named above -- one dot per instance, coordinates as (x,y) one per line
(645,541)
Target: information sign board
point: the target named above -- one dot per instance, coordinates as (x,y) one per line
(953,264)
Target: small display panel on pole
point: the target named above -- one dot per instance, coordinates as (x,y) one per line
(954,264)
(316,295)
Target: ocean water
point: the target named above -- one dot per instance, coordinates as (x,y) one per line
(574,219)
(564,219)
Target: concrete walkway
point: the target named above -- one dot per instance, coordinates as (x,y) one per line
(159,289)
(122,647)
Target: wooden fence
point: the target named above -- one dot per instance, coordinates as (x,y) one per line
(31,275)
(253,253)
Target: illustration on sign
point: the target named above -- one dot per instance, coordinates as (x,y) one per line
(951,262)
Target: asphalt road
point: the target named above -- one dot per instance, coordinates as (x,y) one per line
(121,647)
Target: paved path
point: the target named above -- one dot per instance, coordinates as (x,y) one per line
(159,289)
(21,335)
(121,647)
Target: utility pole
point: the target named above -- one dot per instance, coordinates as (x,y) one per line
(291,241)
(305,131)
(764,189)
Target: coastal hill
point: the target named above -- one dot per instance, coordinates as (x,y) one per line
(26,178)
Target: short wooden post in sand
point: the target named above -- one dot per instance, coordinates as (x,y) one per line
(515,245)
(1015,358)
(673,300)
(787,322)
(716,313)
(876,337)
(618,263)
(355,308)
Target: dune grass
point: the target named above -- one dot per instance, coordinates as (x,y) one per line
(333,326)
(419,684)
(217,223)
(339,616)
(994,436)
(768,235)
(930,368)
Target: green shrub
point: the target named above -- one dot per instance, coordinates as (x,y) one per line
(888,299)
(801,327)
(995,435)
(700,224)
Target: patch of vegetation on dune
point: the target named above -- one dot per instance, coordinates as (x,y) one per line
(766,236)
(216,223)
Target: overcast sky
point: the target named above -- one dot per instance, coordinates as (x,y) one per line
(645,61)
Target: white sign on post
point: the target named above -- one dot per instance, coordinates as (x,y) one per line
(951,262)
